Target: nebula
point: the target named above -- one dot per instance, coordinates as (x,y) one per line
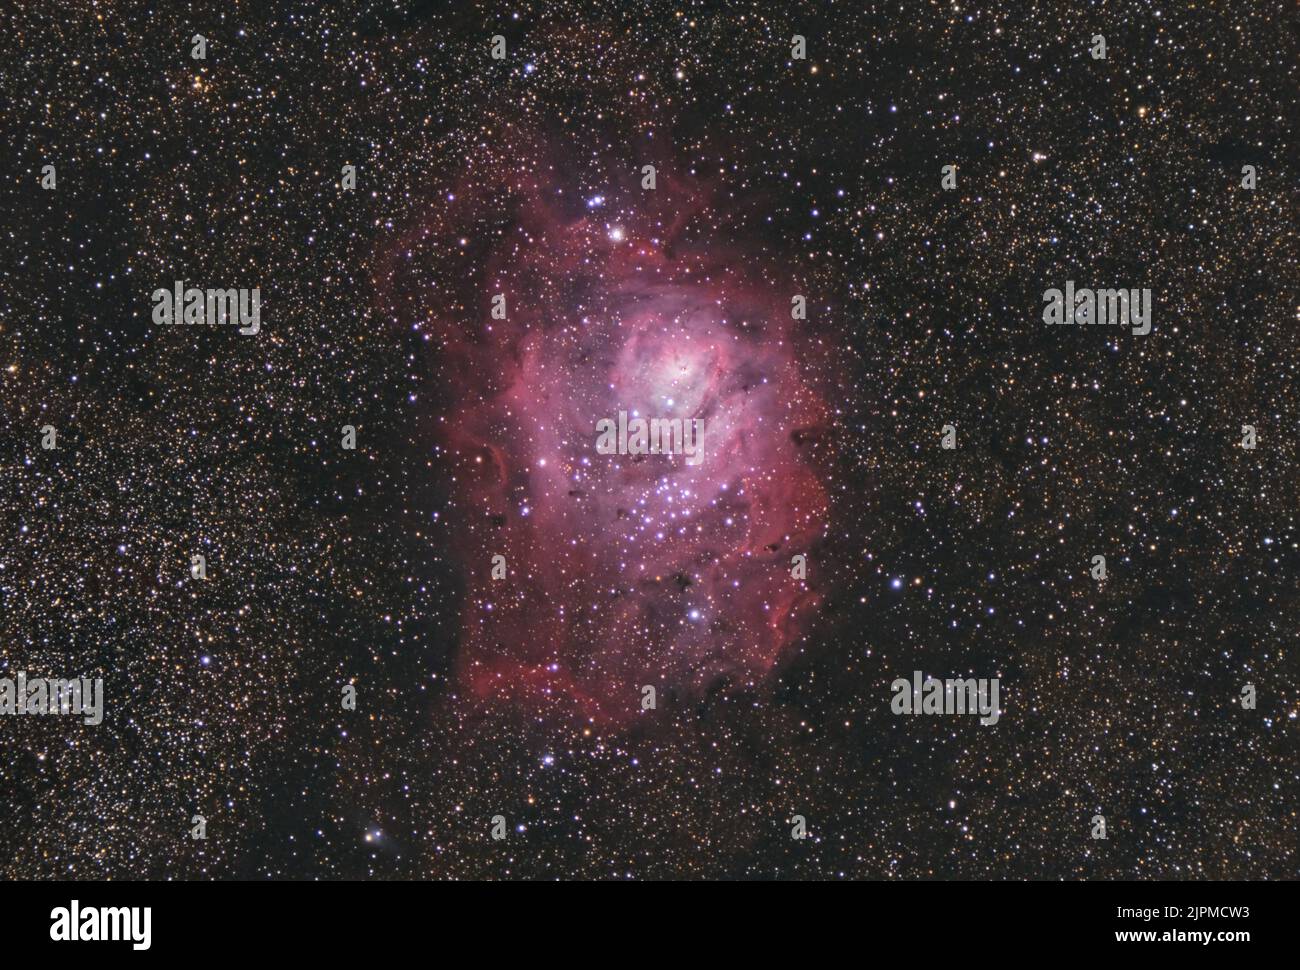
(623,571)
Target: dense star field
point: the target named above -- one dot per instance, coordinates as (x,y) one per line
(515,687)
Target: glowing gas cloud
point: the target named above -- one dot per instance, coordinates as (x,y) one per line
(665,565)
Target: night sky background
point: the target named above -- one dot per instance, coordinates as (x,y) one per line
(521,697)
